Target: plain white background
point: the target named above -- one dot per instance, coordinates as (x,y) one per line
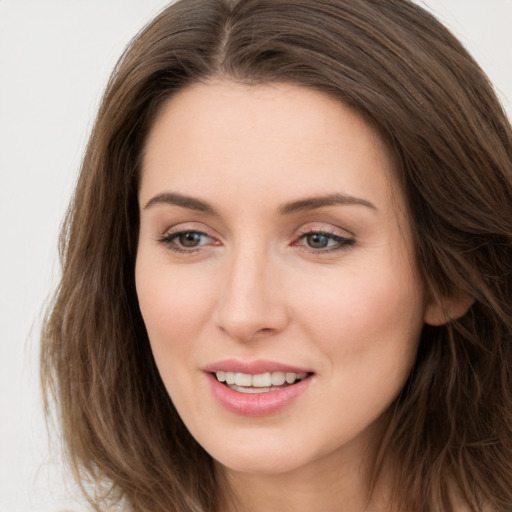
(55,58)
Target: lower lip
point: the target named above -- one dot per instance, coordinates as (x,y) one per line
(256,404)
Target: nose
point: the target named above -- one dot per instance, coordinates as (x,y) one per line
(251,301)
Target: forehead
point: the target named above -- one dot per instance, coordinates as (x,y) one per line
(279,137)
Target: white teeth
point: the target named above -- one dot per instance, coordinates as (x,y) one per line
(242,389)
(278,378)
(243,379)
(260,380)
(290,377)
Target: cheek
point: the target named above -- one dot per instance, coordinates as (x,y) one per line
(174,304)
(364,302)
(368,326)
(365,315)
(174,313)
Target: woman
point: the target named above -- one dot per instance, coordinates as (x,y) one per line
(286,268)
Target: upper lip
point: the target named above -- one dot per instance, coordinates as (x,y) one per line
(253,367)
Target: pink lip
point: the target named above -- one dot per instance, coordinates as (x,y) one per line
(252,367)
(254,404)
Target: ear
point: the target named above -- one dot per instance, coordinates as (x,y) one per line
(440,313)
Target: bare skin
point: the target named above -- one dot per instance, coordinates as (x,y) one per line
(273,233)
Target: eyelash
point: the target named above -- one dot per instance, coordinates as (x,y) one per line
(169,238)
(342,243)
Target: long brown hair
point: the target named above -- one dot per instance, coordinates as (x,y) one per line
(450,430)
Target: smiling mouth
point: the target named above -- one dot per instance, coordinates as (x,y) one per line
(259,383)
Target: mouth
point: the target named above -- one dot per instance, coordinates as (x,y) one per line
(259,387)
(260,382)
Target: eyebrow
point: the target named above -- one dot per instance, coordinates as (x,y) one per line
(180,200)
(309,203)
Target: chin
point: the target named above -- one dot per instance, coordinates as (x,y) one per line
(258,464)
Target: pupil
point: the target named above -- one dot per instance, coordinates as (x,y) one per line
(317,241)
(190,239)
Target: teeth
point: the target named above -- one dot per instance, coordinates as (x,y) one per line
(279,378)
(290,377)
(242,389)
(260,380)
(243,379)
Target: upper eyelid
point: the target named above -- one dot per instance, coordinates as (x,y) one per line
(175,234)
(168,239)
(323,227)
(328,234)
(333,236)
(193,227)
(185,227)
(172,235)
(331,230)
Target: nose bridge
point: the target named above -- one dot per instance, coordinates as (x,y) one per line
(249,304)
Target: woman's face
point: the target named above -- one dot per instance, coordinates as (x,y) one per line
(275,252)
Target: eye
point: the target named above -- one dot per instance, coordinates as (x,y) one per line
(186,241)
(190,239)
(320,241)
